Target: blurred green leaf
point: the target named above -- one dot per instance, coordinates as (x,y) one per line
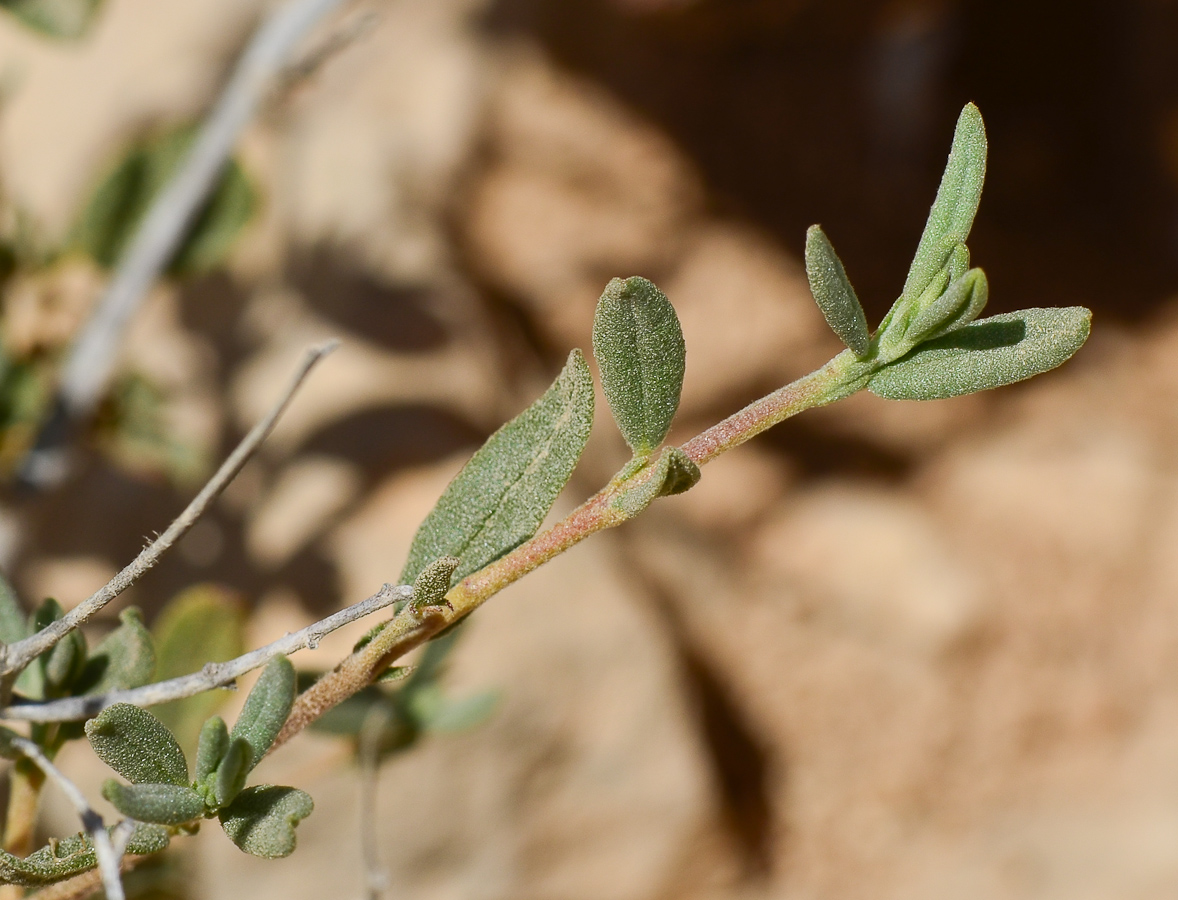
(262,820)
(124,659)
(55,18)
(124,195)
(55,669)
(502,495)
(952,213)
(136,744)
(639,348)
(989,353)
(202,624)
(13,618)
(160,804)
(833,292)
(436,712)
(266,709)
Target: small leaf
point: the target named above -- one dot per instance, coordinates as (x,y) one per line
(266,709)
(116,208)
(989,353)
(54,18)
(201,624)
(952,214)
(136,744)
(72,856)
(232,772)
(161,804)
(502,495)
(124,659)
(638,344)
(13,618)
(430,587)
(437,712)
(262,820)
(962,302)
(214,741)
(672,473)
(833,292)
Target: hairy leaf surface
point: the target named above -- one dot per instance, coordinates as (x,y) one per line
(502,495)
(989,353)
(137,745)
(262,820)
(71,856)
(160,804)
(638,344)
(833,292)
(266,709)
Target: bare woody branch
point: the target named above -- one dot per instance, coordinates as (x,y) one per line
(213,675)
(16,656)
(104,850)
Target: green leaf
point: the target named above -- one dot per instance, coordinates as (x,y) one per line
(986,354)
(262,820)
(137,745)
(639,349)
(435,711)
(214,741)
(161,804)
(502,495)
(672,473)
(202,624)
(55,18)
(833,292)
(266,709)
(961,303)
(73,855)
(109,221)
(952,214)
(13,618)
(124,659)
(231,773)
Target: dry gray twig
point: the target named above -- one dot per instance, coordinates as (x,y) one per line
(213,675)
(92,358)
(16,656)
(104,849)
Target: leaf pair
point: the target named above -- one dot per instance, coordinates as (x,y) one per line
(929,345)
(139,747)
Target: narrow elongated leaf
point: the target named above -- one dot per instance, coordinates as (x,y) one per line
(986,354)
(962,302)
(124,659)
(833,292)
(639,349)
(266,708)
(952,214)
(262,820)
(232,772)
(73,855)
(502,495)
(214,741)
(136,744)
(161,804)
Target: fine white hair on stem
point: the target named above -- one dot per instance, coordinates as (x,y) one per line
(213,675)
(16,656)
(104,849)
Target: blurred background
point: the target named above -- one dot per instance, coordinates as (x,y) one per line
(887,650)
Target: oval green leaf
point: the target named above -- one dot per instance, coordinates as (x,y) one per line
(638,345)
(210,750)
(161,804)
(952,213)
(266,709)
(232,772)
(833,292)
(989,353)
(502,495)
(136,744)
(124,659)
(262,820)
